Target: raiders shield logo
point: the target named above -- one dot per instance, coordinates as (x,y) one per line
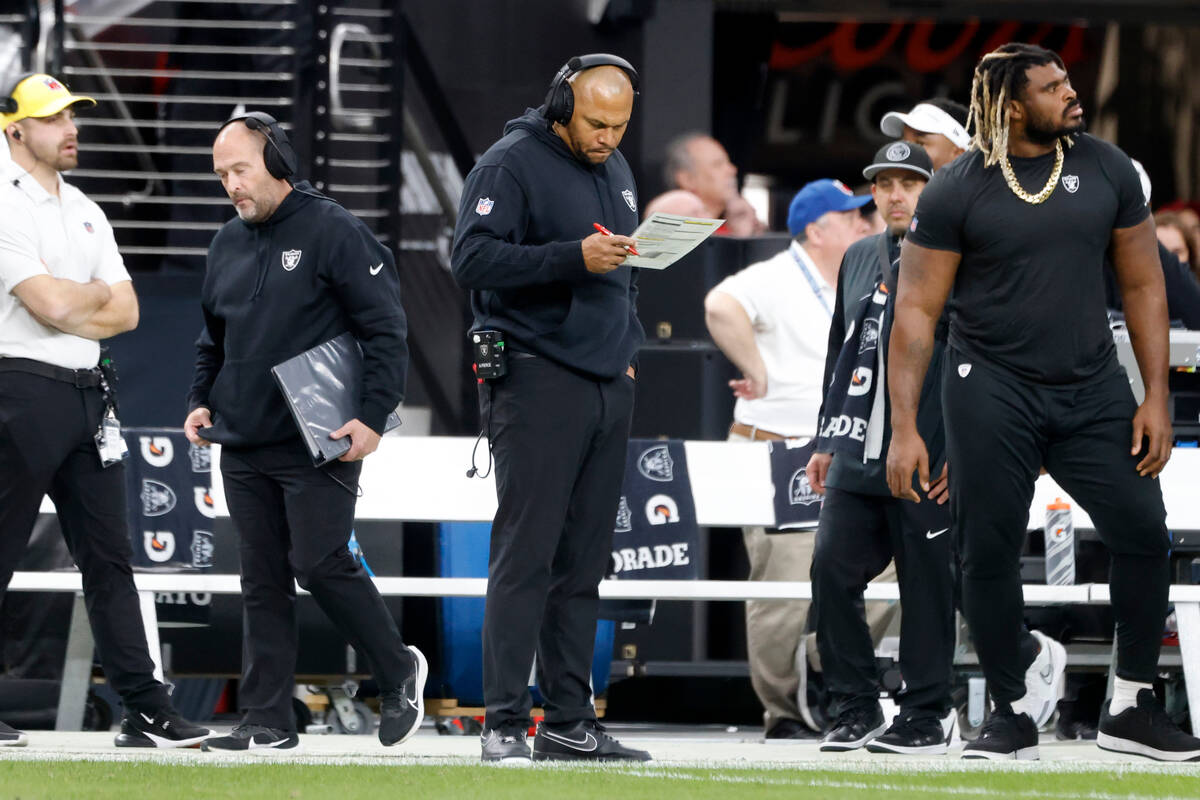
(1070,183)
(629,201)
(291,259)
(801,493)
(157,498)
(202,549)
(624,522)
(657,464)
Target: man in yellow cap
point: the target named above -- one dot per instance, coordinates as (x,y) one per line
(64,287)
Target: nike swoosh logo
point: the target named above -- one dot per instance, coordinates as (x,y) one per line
(580,744)
(256,745)
(375,269)
(935,534)
(412,702)
(149,720)
(1047,673)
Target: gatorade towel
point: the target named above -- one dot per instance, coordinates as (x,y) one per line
(797,506)
(655,534)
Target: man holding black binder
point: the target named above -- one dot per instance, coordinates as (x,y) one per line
(533,246)
(292,272)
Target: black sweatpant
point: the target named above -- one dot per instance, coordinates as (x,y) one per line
(293,521)
(857,535)
(46,447)
(559,440)
(1000,431)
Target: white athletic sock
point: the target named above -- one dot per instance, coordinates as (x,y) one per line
(1125,695)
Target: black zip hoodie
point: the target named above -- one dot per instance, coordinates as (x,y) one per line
(525,208)
(277,288)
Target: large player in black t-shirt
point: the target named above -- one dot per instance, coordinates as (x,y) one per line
(1019,227)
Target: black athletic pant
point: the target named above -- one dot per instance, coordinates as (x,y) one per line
(293,521)
(1000,431)
(559,441)
(857,535)
(46,447)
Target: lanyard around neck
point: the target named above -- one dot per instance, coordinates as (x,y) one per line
(811,281)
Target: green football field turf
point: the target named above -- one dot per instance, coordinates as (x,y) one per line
(266,781)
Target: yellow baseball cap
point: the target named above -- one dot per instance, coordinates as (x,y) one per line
(39,95)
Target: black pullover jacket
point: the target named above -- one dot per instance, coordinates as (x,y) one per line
(277,288)
(525,208)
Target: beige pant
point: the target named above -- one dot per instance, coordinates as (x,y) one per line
(774,628)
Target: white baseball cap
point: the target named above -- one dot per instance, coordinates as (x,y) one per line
(925,118)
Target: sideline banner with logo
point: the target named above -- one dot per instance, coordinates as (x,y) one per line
(168,482)
(655,535)
(797,506)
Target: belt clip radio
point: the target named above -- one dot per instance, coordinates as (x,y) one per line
(487,351)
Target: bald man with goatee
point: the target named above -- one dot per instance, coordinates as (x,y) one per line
(553,288)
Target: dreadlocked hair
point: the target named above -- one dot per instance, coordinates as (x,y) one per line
(1000,77)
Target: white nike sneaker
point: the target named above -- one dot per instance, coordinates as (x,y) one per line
(1043,681)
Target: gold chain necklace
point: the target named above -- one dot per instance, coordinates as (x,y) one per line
(1047,190)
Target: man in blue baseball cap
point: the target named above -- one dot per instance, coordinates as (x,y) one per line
(772,321)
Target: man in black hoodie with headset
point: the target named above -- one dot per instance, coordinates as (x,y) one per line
(548,283)
(293,271)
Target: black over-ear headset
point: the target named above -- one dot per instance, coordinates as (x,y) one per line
(278,153)
(9,104)
(560,100)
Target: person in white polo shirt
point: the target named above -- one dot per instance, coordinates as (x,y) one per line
(771,320)
(938,125)
(65,287)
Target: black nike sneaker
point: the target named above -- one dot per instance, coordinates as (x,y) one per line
(163,728)
(916,735)
(11,737)
(257,739)
(1146,730)
(853,728)
(1005,735)
(401,710)
(505,746)
(583,741)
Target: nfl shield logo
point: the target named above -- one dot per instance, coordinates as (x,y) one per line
(87,226)
(629,201)
(1071,183)
(964,370)
(484,206)
(291,259)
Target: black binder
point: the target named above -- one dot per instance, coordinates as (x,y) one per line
(322,389)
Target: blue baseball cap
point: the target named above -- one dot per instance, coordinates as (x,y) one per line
(817,199)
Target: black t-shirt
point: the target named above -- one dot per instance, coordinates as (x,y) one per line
(1029,294)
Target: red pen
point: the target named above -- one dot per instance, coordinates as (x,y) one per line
(632,250)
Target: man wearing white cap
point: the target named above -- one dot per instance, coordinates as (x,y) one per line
(938,125)
(65,287)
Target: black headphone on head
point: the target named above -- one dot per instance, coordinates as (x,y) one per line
(9,104)
(278,153)
(560,100)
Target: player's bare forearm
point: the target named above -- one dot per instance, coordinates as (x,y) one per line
(909,351)
(1144,299)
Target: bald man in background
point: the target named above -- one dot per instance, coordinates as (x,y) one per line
(554,290)
(697,163)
